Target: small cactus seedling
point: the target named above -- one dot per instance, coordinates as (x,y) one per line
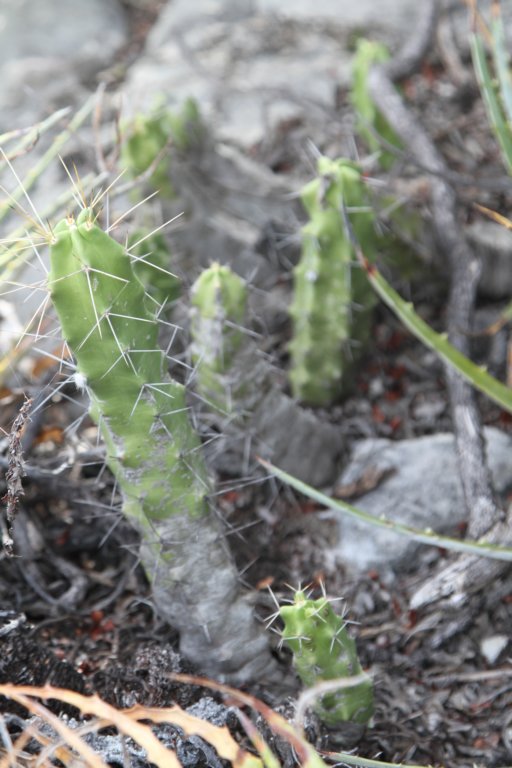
(371,125)
(155,455)
(323,650)
(332,301)
(217,314)
(148,136)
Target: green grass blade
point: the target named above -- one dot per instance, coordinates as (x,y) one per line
(426,536)
(29,136)
(438,342)
(51,153)
(494,107)
(364,762)
(501,59)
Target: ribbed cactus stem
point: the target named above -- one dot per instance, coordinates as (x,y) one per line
(323,650)
(217,314)
(148,138)
(371,124)
(332,299)
(152,449)
(151,261)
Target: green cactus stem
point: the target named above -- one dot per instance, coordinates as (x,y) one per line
(217,315)
(332,301)
(323,650)
(371,124)
(148,136)
(151,261)
(152,450)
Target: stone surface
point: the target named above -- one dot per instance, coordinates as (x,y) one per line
(423,491)
(493,244)
(48,47)
(230,203)
(254,63)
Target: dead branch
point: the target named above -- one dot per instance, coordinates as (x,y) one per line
(13,476)
(485,517)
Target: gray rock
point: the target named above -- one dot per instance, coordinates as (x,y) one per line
(65,29)
(296,439)
(230,201)
(34,87)
(254,63)
(423,491)
(47,47)
(493,244)
(269,424)
(394,16)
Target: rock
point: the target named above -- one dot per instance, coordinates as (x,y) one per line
(48,47)
(491,647)
(393,16)
(296,439)
(493,244)
(230,201)
(34,87)
(422,490)
(269,424)
(253,63)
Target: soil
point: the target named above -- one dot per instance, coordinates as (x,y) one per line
(90,624)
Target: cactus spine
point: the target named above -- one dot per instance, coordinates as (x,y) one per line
(323,650)
(331,307)
(152,450)
(218,309)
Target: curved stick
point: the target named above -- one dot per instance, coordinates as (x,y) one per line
(485,517)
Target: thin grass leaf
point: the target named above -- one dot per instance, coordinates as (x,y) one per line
(426,536)
(51,153)
(364,762)
(501,60)
(493,104)
(438,342)
(29,136)
(268,758)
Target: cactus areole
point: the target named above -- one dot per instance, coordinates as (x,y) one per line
(152,450)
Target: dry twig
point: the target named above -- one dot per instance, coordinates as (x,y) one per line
(468,572)
(13,476)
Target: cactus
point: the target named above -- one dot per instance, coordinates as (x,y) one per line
(151,263)
(371,124)
(152,450)
(218,308)
(331,308)
(495,79)
(323,650)
(149,135)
